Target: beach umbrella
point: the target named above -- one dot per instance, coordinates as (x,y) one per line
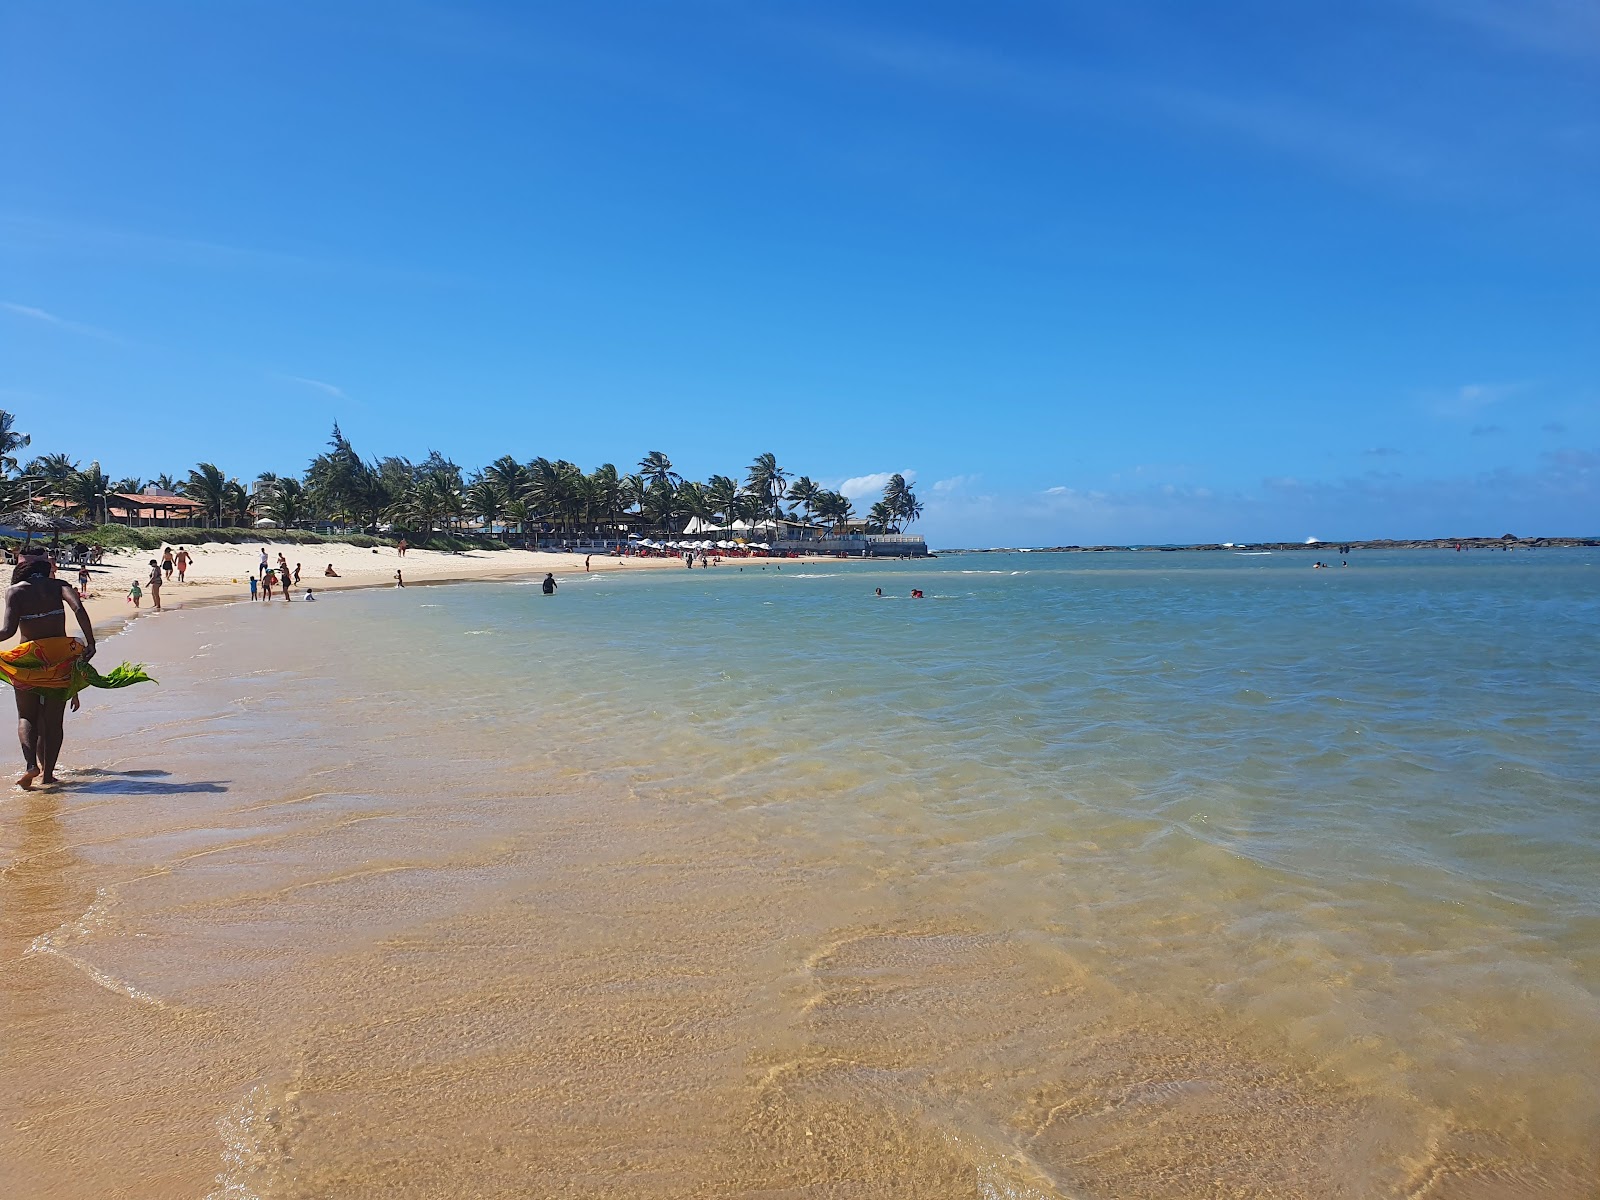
(266,523)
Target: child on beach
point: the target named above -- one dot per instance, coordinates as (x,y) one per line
(252,587)
(135,594)
(83,580)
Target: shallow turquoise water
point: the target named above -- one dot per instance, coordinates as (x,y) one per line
(1162,869)
(1372,794)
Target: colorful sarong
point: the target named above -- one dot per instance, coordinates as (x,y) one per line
(55,664)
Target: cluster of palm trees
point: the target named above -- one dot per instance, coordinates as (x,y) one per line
(551,496)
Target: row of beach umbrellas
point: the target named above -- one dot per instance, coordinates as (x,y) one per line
(702,545)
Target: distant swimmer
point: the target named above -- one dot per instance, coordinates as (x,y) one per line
(916,593)
(548,587)
(878,592)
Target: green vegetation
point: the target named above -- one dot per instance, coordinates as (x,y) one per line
(435,504)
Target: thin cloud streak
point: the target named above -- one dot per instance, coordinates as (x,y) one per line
(49,318)
(320,385)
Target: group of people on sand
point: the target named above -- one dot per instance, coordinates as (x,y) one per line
(47,669)
(270,579)
(161,571)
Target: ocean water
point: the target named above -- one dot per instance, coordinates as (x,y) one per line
(1085,876)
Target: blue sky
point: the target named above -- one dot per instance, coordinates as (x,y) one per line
(1119,271)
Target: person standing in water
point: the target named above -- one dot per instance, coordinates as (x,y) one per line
(549,585)
(154,584)
(47,668)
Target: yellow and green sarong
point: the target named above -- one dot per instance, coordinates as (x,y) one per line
(55,664)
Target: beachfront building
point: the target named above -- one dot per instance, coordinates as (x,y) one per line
(153,507)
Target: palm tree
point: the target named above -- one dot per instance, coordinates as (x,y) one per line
(129,486)
(766,479)
(286,502)
(486,500)
(694,500)
(49,473)
(517,513)
(723,493)
(236,503)
(805,490)
(207,484)
(880,517)
(165,482)
(86,490)
(606,491)
(656,468)
(10,442)
(507,474)
(901,501)
(835,508)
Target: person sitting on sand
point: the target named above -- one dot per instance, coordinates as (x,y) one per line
(47,668)
(330,572)
(310,595)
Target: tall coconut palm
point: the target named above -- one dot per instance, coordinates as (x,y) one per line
(86,491)
(129,485)
(836,509)
(805,491)
(207,484)
(723,493)
(766,479)
(656,468)
(507,474)
(517,513)
(880,517)
(49,473)
(486,500)
(694,502)
(285,502)
(236,503)
(10,442)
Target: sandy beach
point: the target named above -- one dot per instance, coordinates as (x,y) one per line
(220,573)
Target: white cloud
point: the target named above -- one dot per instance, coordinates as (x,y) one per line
(861,487)
(954,483)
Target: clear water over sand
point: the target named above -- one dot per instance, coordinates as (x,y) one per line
(1088,876)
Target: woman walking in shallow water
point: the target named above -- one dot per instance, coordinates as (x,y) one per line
(47,668)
